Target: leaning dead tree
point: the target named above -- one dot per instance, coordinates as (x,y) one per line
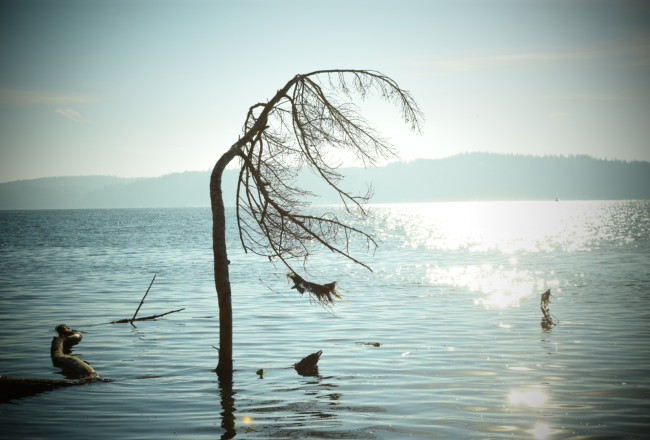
(301,126)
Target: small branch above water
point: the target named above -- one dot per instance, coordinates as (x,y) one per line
(547,322)
(124,321)
(131,320)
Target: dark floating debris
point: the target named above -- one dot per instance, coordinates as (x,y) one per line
(372,344)
(308,365)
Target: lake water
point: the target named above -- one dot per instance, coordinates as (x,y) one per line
(453,305)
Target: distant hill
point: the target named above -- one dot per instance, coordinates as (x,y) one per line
(483,176)
(472,176)
(172,190)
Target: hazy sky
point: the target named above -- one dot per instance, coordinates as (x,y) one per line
(145,88)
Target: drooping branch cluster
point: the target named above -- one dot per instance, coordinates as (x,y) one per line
(306,127)
(323,293)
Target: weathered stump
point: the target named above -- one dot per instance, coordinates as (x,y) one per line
(77,371)
(308,365)
(72,366)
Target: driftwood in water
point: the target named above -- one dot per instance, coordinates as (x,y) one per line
(18,387)
(77,371)
(129,320)
(308,365)
(72,366)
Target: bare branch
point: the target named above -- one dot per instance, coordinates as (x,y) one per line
(312,117)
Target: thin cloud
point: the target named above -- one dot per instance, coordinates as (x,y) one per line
(639,54)
(509,58)
(589,97)
(23,97)
(70,113)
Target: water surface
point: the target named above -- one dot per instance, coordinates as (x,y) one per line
(453,305)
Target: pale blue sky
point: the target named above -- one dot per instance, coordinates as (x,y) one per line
(144,88)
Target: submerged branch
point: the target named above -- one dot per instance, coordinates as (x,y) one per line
(145,295)
(146,318)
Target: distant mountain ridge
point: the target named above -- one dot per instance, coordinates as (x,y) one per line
(471,176)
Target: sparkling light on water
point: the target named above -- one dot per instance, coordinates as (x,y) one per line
(533,398)
(541,431)
(507,227)
(506,230)
(500,286)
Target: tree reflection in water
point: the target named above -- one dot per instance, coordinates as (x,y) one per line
(228,408)
(294,416)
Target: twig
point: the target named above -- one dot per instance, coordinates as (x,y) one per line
(124,321)
(141,301)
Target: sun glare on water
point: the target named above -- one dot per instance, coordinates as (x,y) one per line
(505,226)
(534,398)
(499,286)
(509,231)
(541,431)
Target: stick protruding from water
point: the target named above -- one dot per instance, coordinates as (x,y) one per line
(547,321)
(142,300)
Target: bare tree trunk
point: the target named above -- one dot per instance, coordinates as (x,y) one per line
(221,262)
